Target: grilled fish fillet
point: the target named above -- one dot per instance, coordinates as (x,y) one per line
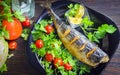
(76,43)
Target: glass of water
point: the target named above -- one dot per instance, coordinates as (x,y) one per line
(27,7)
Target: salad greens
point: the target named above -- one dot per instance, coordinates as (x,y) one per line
(54,46)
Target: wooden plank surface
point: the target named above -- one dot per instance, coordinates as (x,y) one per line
(19,65)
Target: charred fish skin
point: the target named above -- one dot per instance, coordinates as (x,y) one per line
(77,44)
(84,50)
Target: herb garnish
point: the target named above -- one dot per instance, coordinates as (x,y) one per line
(87,25)
(98,33)
(73,10)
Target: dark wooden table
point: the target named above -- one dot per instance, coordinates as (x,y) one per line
(19,65)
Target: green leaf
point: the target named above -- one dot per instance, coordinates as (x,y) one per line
(41,52)
(4,32)
(3,68)
(86,22)
(7,12)
(25,33)
(84,68)
(19,15)
(70,6)
(99,34)
(110,29)
(73,8)
(90,36)
(76,6)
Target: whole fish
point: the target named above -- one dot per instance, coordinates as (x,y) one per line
(76,43)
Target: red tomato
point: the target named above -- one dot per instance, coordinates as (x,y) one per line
(48,57)
(26,23)
(39,43)
(49,29)
(67,67)
(12,45)
(58,62)
(14,28)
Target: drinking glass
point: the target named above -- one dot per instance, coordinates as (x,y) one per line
(26,7)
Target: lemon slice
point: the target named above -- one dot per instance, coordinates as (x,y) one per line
(78,17)
(75,20)
(80,12)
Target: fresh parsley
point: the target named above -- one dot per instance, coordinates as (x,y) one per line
(97,33)
(73,10)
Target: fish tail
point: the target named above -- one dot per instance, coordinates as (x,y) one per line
(55,18)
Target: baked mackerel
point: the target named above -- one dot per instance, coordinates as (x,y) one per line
(76,43)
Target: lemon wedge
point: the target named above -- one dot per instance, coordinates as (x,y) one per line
(78,17)
(80,12)
(75,20)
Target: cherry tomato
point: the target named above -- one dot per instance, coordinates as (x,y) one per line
(12,45)
(49,29)
(39,43)
(67,67)
(48,57)
(26,23)
(14,28)
(58,62)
